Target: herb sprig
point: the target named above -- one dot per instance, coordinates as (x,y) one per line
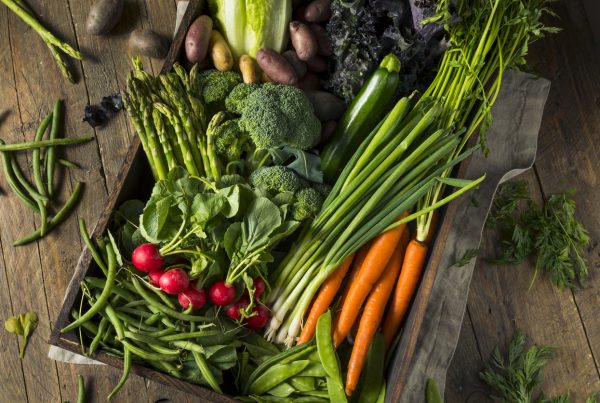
(551,234)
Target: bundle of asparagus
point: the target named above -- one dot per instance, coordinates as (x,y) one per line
(170,121)
(54,44)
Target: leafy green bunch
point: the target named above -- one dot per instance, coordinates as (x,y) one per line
(225,228)
(551,234)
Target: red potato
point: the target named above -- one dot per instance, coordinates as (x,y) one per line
(317,11)
(197,39)
(327,106)
(276,67)
(303,40)
(325,48)
(309,82)
(298,65)
(317,64)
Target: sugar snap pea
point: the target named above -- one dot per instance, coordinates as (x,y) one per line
(205,371)
(284,389)
(315,370)
(57,219)
(275,375)
(126,368)
(102,300)
(303,383)
(329,358)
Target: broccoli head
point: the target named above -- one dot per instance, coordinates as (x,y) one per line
(277,115)
(215,85)
(307,204)
(276,178)
(234,100)
(322,188)
(230,141)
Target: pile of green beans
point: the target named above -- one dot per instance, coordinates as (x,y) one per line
(129,318)
(308,372)
(39,195)
(170,121)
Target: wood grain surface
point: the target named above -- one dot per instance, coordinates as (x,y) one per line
(36,276)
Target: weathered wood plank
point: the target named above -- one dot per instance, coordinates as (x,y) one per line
(500,302)
(462,381)
(569,149)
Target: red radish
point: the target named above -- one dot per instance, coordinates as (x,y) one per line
(222,293)
(233,311)
(155,276)
(194,296)
(259,287)
(260,319)
(174,281)
(147,258)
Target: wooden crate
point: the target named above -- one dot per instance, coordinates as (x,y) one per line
(134,181)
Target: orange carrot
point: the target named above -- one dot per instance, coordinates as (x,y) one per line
(359,258)
(372,314)
(414,259)
(323,299)
(381,251)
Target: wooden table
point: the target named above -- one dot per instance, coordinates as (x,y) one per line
(35,276)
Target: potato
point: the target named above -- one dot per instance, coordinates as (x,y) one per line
(220,52)
(317,64)
(248,70)
(309,82)
(145,42)
(327,106)
(103,16)
(298,65)
(303,40)
(317,11)
(276,66)
(323,43)
(197,39)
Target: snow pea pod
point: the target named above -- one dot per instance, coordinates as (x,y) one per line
(284,389)
(276,375)
(102,300)
(329,359)
(315,370)
(206,372)
(373,373)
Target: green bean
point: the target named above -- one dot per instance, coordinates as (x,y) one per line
(24,182)
(102,300)
(157,333)
(432,393)
(51,153)
(108,334)
(90,245)
(134,304)
(89,326)
(164,319)
(160,294)
(206,372)
(114,319)
(124,375)
(12,181)
(68,164)
(146,355)
(57,219)
(162,349)
(194,335)
(165,309)
(100,283)
(154,317)
(36,161)
(133,311)
(275,375)
(80,389)
(138,323)
(99,335)
(30,145)
(189,346)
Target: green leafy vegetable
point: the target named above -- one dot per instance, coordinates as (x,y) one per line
(551,235)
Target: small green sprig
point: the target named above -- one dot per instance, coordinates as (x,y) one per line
(551,234)
(22,325)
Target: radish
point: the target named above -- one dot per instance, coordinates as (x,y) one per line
(222,293)
(194,296)
(154,277)
(233,311)
(259,287)
(174,281)
(260,319)
(147,258)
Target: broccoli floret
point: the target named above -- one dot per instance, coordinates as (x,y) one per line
(307,204)
(276,115)
(322,188)
(238,95)
(230,141)
(215,85)
(276,178)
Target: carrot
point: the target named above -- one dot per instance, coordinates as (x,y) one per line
(381,251)
(323,299)
(359,258)
(414,259)
(372,314)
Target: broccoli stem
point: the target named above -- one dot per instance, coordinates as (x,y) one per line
(51,41)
